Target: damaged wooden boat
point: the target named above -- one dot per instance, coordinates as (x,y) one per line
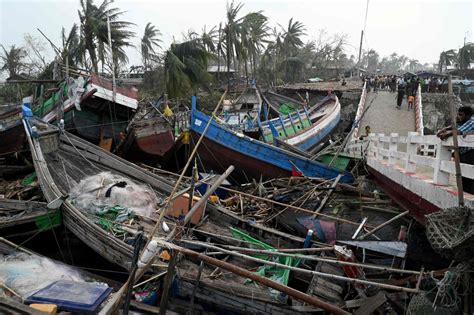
(18,217)
(252,158)
(243,114)
(63,161)
(28,277)
(91,108)
(11,129)
(303,127)
(150,136)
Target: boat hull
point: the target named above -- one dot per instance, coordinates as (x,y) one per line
(218,157)
(253,156)
(12,134)
(149,149)
(407,199)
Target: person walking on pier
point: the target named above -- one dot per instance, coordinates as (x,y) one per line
(465,122)
(400,93)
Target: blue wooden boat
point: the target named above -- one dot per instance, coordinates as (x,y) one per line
(252,158)
(303,128)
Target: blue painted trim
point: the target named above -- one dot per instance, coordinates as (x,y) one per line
(282,123)
(312,141)
(262,151)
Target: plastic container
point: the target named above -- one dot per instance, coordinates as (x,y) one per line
(84,297)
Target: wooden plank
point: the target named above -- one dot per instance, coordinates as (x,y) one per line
(371,304)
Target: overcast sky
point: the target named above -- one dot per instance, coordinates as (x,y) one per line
(419,29)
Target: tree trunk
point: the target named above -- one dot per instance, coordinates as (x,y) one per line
(228,58)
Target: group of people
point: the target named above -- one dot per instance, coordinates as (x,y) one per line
(381,82)
(465,125)
(408,87)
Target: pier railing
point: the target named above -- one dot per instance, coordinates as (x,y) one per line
(419,112)
(359,113)
(402,151)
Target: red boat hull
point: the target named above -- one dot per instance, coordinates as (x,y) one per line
(417,206)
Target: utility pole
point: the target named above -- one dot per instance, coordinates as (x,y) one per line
(360,52)
(361,38)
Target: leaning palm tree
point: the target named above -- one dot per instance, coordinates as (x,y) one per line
(94,31)
(185,67)
(256,31)
(291,44)
(292,37)
(72,47)
(446,58)
(149,43)
(232,30)
(12,60)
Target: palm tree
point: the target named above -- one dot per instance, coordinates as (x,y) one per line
(95,35)
(185,67)
(72,48)
(149,43)
(272,56)
(256,30)
(12,60)
(231,30)
(446,58)
(292,38)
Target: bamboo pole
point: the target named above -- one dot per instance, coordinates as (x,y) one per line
(180,178)
(142,271)
(306,257)
(282,204)
(295,269)
(384,224)
(455,144)
(262,280)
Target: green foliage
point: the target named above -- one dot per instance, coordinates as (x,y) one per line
(13,60)
(186,68)
(95,35)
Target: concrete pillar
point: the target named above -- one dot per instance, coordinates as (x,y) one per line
(442,154)
(411,151)
(392,148)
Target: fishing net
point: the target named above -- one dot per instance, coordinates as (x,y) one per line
(421,304)
(451,232)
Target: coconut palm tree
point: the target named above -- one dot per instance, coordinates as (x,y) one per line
(292,38)
(95,35)
(256,30)
(232,31)
(446,58)
(13,60)
(149,43)
(72,47)
(185,67)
